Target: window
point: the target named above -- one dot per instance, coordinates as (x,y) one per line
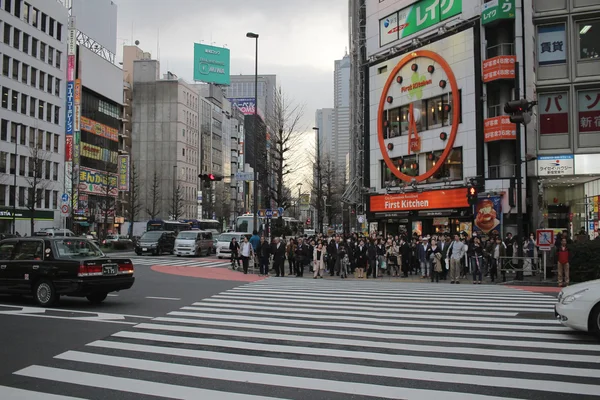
(41,80)
(48,171)
(40,139)
(22,162)
(42,51)
(40,194)
(33,79)
(7,5)
(7,33)
(15,70)
(49,84)
(55,199)
(183,152)
(50,55)
(2,203)
(56,138)
(13,132)
(34,17)
(32,106)
(3,130)
(16,38)
(15,101)
(4,97)
(44,22)
(29,250)
(51,27)
(589,48)
(5,65)
(41,106)
(11,196)
(34,47)
(32,137)
(17,9)
(31,168)
(59,31)
(13,164)
(26,10)
(58,57)
(3,157)
(24,70)
(56,114)
(48,140)
(25,43)
(24,102)
(49,113)
(55,172)
(21,197)
(56,87)
(452,168)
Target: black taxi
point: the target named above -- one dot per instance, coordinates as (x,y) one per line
(50,267)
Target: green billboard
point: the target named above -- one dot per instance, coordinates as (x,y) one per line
(211,64)
(496,10)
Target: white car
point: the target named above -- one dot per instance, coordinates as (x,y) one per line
(578,307)
(222,248)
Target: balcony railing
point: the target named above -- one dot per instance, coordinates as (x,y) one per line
(502,49)
(494,111)
(503,171)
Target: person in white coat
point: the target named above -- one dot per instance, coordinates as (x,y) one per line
(319,261)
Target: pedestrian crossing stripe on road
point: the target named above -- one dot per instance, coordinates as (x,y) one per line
(299,339)
(179,262)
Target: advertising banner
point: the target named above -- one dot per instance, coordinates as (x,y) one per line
(245,105)
(211,64)
(552,44)
(98,153)
(417,228)
(77,110)
(501,67)
(70,68)
(71,37)
(554,113)
(99,129)
(69,148)
(124,173)
(488,216)
(556,165)
(495,10)
(415,18)
(98,182)
(70,108)
(588,103)
(435,199)
(499,128)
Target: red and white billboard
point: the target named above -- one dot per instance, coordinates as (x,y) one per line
(588,103)
(553,109)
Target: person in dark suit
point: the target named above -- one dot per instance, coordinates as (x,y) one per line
(361,258)
(278,252)
(264,254)
(332,251)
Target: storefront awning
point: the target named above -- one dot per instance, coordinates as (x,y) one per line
(82,223)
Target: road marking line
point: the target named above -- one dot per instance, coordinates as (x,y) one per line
(133,385)
(353,388)
(113,295)
(163,298)
(9,393)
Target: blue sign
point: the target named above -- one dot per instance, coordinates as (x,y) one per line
(70,107)
(591,226)
(281,210)
(245,105)
(65,198)
(269,213)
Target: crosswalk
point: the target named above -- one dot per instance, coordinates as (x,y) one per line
(306,339)
(180,262)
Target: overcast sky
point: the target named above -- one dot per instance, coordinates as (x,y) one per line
(299,40)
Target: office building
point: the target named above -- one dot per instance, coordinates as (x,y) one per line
(341,114)
(324,121)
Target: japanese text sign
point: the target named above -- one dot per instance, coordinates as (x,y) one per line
(501,67)
(499,128)
(556,165)
(552,44)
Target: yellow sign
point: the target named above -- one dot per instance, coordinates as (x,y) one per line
(98,153)
(99,129)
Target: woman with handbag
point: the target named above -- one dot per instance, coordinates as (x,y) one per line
(434,256)
(247,252)
(319,260)
(393,255)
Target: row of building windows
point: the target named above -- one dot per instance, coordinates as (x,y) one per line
(29,166)
(23,10)
(31,46)
(28,75)
(29,136)
(191,100)
(19,102)
(44,198)
(409,165)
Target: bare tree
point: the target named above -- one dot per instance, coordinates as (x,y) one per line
(332,187)
(154,209)
(284,123)
(177,202)
(134,205)
(109,195)
(36,182)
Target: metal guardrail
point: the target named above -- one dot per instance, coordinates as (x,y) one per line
(501,171)
(502,49)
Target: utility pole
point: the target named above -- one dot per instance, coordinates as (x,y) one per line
(319,188)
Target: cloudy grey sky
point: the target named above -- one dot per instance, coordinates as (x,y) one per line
(299,39)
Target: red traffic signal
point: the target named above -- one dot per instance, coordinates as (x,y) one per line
(210,177)
(473,191)
(472,195)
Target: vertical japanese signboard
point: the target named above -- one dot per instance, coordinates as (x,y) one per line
(496,10)
(76,143)
(124,173)
(552,44)
(70,106)
(588,104)
(553,109)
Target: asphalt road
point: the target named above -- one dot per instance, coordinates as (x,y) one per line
(35,335)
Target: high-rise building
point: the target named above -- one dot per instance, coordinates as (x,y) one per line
(32,124)
(341,114)
(166,140)
(324,121)
(241,90)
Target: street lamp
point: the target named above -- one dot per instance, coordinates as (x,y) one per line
(320,212)
(299,190)
(252,35)
(14,216)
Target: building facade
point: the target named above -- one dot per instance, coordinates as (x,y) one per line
(32,124)
(341,114)
(324,121)
(165,142)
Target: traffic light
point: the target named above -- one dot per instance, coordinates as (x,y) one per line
(519,111)
(472,195)
(210,177)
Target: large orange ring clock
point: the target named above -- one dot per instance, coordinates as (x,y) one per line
(455,114)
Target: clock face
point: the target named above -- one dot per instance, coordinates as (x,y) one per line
(413,73)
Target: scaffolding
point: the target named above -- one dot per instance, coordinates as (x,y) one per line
(357,22)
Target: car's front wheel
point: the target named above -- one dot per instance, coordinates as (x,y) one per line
(45,293)
(96,298)
(594,321)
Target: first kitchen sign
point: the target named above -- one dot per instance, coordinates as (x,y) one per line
(435,199)
(556,165)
